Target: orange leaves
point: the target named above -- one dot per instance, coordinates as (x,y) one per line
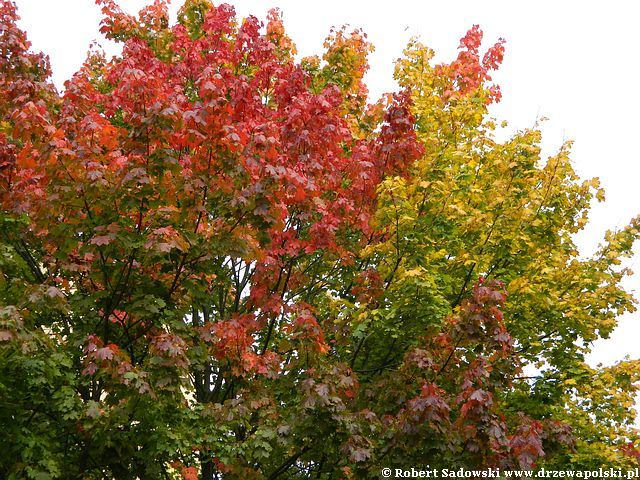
(155,16)
(346,63)
(186,473)
(189,473)
(267,364)
(233,341)
(305,329)
(27,159)
(115,24)
(276,34)
(101,132)
(300,194)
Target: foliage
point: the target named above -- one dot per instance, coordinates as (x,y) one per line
(220,261)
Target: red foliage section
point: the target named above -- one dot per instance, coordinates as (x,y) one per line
(459,374)
(25,98)
(631,451)
(469,71)
(184,142)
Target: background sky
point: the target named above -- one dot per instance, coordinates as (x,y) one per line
(573,62)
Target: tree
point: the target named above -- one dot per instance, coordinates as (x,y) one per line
(221,261)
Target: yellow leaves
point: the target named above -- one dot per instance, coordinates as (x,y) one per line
(581,222)
(473,163)
(593,183)
(536,222)
(414,272)
(457,209)
(5,127)
(613,255)
(413,68)
(499,208)
(520,285)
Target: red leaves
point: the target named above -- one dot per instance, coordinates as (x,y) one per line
(116,24)
(467,73)
(472,39)
(631,451)
(104,353)
(526,444)
(101,240)
(99,356)
(397,144)
(482,315)
(368,286)
(25,98)
(472,362)
(493,57)
(429,407)
(476,402)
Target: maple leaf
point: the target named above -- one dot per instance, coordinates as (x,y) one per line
(102,240)
(104,353)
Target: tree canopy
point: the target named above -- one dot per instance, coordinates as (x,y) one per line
(220,260)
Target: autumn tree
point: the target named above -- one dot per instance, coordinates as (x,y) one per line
(220,261)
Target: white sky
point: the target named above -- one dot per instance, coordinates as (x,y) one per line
(574,62)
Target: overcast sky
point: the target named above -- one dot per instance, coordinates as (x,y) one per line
(574,62)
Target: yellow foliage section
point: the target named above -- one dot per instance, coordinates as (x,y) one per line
(473,206)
